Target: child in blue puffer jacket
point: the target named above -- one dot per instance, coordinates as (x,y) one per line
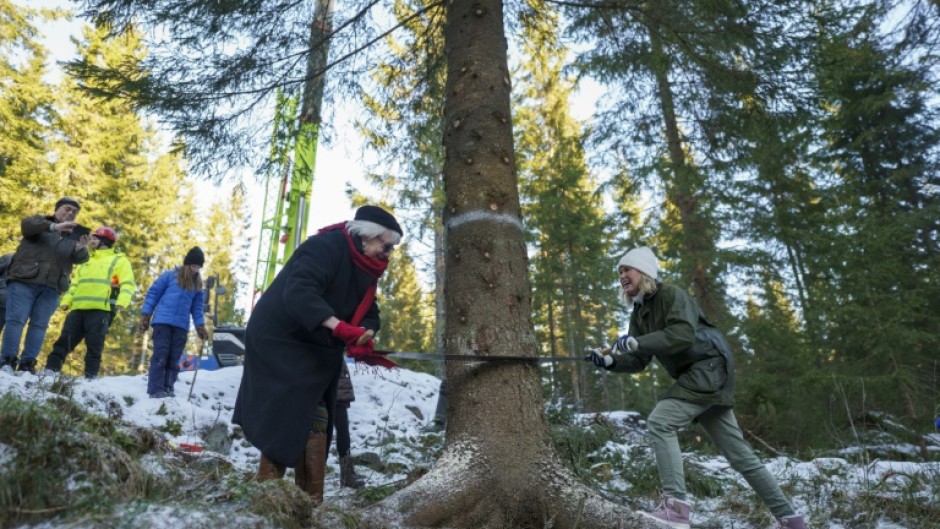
(173,298)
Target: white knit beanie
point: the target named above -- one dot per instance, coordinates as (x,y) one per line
(642,259)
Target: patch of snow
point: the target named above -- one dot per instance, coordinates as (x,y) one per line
(386,419)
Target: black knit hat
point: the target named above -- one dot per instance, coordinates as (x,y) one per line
(379,216)
(66,200)
(195,257)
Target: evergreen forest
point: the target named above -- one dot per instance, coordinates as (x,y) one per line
(782,158)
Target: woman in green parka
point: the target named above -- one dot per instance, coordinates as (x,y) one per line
(667,324)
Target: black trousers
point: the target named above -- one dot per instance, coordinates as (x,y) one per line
(341,423)
(89,325)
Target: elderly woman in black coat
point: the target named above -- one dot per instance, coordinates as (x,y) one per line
(320,303)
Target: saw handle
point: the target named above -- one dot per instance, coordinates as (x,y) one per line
(366,336)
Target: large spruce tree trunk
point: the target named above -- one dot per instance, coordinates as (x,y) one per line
(498,468)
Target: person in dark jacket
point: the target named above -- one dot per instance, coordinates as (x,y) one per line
(344,397)
(174,298)
(5,260)
(36,278)
(321,302)
(667,324)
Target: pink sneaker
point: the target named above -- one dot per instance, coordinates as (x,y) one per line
(791,522)
(672,513)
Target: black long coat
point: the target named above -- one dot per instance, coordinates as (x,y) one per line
(292,362)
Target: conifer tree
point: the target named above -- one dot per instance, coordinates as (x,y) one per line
(26,113)
(567,228)
(671,68)
(118,167)
(226,245)
(407,309)
(404,124)
(874,265)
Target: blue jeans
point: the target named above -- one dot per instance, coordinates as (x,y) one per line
(27,302)
(168,345)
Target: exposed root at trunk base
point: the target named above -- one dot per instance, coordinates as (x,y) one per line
(462,492)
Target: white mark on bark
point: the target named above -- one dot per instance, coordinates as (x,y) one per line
(484,216)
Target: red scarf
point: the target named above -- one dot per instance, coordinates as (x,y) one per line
(374,268)
(370,265)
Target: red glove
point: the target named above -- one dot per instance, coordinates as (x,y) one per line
(366,354)
(347,333)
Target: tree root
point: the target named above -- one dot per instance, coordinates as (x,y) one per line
(461,493)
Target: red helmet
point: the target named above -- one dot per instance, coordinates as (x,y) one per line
(106,233)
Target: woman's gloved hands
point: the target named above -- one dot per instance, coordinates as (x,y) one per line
(360,346)
(350,335)
(626,344)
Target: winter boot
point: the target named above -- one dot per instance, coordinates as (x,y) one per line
(310,470)
(27,366)
(791,522)
(347,474)
(269,469)
(8,364)
(670,513)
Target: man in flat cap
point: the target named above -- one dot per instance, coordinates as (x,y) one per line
(39,273)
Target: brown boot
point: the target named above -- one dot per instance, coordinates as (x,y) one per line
(310,470)
(347,474)
(269,469)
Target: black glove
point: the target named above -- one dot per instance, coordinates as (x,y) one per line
(144,324)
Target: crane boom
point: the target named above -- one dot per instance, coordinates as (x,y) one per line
(289,180)
(308,132)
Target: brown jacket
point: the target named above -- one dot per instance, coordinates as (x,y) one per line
(45,257)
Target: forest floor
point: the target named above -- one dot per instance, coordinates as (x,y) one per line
(101,454)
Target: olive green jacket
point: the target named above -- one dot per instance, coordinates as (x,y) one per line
(670,327)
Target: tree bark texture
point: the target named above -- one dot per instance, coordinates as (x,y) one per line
(499,468)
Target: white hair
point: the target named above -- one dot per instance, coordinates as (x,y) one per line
(370,230)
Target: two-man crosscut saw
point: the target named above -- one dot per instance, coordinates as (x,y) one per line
(475,358)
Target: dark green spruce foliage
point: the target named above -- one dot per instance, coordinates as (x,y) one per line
(847,183)
(114,165)
(227,246)
(26,111)
(875,268)
(403,124)
(811,142)
(567,230)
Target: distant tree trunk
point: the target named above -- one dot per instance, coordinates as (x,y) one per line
(697,244)
(498,468)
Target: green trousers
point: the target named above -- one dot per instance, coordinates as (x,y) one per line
(719,423)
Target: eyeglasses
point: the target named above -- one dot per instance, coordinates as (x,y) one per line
(388,247)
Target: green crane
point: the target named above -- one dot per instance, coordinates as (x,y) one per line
(289,180)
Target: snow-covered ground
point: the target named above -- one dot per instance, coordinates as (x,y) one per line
(391,407)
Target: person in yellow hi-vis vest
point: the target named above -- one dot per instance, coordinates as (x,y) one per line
(100,288)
